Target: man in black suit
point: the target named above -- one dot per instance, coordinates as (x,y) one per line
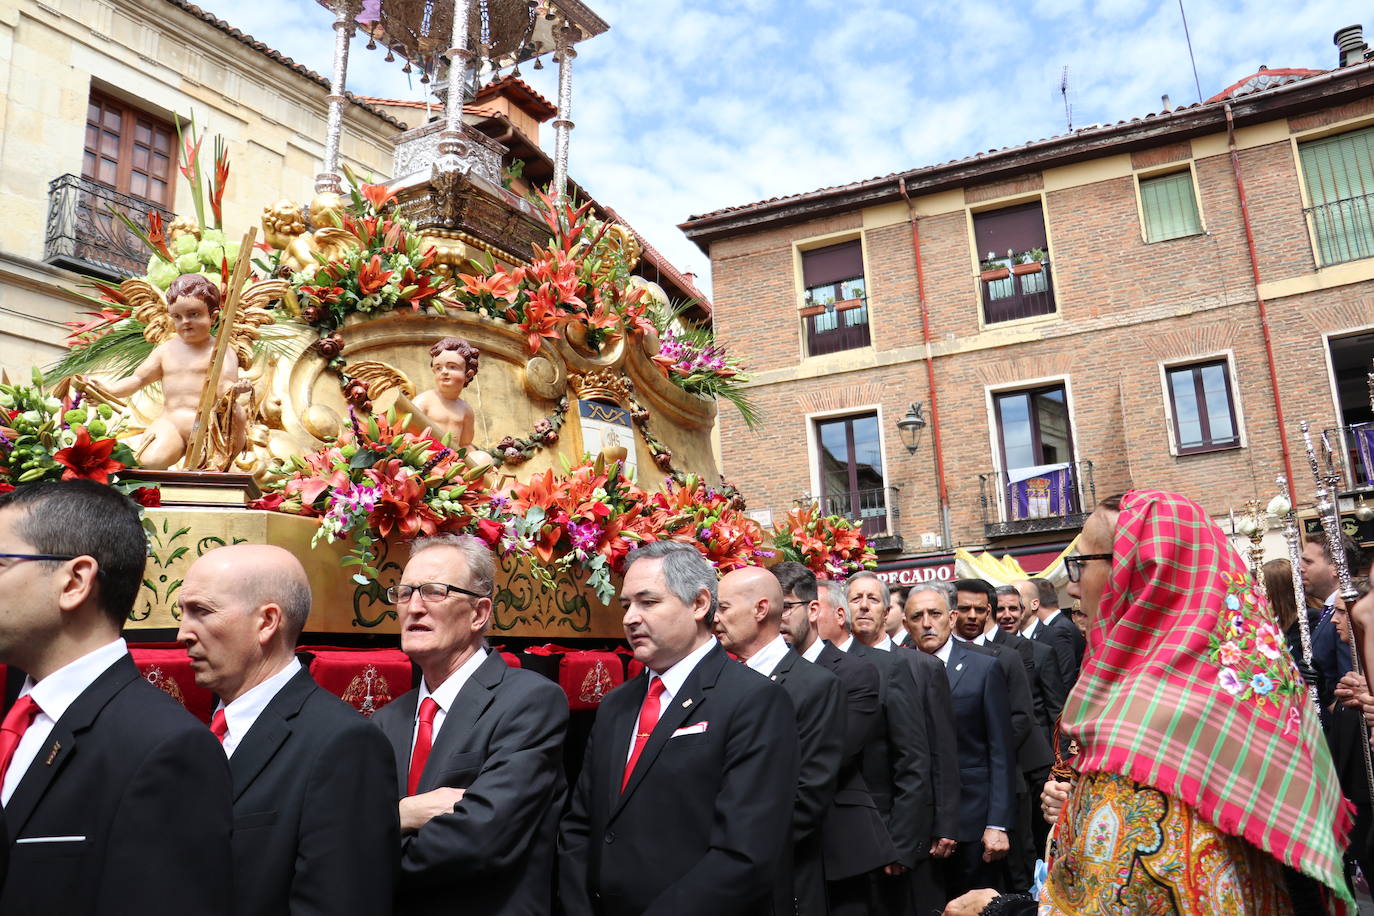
(973,615)
(1048,678)
(315,828)
(854,839)
(894,624)
(478,747)
(116,799)
(917,757)
(748,616)
(1052,627)
(685,802)
(987,756)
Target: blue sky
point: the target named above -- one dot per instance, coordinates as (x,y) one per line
(685,107)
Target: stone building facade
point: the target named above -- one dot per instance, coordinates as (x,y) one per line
(1072,317)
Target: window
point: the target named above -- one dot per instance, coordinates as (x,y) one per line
(1169,207)
(1339,173)
(1350,370)
(1036,438)
(835,309)
(851,471)
(1015,262)
(129,151)
(1203,409)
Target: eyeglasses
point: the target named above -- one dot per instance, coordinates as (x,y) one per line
(35,556)
(788,605)
(430,592)
(1074,565)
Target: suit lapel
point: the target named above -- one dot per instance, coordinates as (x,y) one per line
(62,742)
(400,731)
(459,722)
(784,666)
(269,732)
(957,665)
(688,701)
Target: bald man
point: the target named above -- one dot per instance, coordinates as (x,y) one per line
(747,623)
(315,819)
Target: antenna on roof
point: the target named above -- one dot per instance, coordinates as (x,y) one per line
(1191,58)
(1064,91)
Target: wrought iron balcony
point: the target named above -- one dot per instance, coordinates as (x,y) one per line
(874,510)
(1343,229)
(1055,497)
(1354,447)
(83,235)
(842,326)
(1019,295)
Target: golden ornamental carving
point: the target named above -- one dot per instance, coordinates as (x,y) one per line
(606,384)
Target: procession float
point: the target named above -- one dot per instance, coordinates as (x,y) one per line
(394,359)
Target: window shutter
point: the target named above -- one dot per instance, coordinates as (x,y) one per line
(1170,207)
(1020,228)
(1339,173)
(832,264)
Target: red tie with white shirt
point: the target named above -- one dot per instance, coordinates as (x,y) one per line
(648,718)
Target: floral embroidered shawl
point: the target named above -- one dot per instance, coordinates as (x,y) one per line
(1186,687)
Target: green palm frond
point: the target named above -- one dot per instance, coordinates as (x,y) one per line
(121,350)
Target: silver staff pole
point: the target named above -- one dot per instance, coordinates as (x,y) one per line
(1293,539)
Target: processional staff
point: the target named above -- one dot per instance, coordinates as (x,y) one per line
(1291,536)
(1329,513)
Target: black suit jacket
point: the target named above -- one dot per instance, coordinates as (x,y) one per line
(707,814)
(315,818)
(502,742)
(853,835)
(818,701)
(1058,638)
(145,786)
(987,756)
(1064,623)
(898,763)
(1033,752)
(933,693)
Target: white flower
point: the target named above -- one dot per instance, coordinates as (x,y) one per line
(1279,506)
(1247,525)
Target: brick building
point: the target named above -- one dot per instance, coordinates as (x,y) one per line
(1070,318)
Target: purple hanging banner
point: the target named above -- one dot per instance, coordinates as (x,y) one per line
(370,13)
(1364,444)
(1040,492)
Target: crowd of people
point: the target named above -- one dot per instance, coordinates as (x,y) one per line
(794,746)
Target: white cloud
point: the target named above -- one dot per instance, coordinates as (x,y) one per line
(684,107)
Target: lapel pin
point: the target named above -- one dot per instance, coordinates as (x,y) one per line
(686,704)
(959,667)
(52,754)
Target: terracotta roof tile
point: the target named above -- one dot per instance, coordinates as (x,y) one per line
(1263,78)
(522,93)
(279,57)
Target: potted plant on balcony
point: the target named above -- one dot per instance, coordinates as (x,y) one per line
(1029,262)
(853,302)
(993,270)
(816,305)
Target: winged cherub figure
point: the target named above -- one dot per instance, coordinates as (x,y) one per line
(284,227)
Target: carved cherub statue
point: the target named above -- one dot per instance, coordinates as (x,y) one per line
(180,327)
(284,228)
(454,364)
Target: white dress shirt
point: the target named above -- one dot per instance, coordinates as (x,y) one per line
(903,637)
(53,695)
(944,651)
(887,645)
(1030,627)
(813,651)
(846,645)
(445,694)
(240,715)
(672,679)
(1050,619)
(767,658)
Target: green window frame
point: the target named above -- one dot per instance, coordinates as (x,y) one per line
(1339,174)
(1169,205)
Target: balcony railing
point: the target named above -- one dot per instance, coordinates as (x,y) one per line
(1018,296)
(1343,229)
(874,510)
(843,327)
(1052,497)
(84,236)
(1355,450)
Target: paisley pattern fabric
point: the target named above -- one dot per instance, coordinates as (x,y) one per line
(1123,849)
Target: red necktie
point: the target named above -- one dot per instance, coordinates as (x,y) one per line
(17,721)
(424,739)
(648,718)
(219,727)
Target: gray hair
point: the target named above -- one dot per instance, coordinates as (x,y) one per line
(685,571)
(944,589)
(867,574)
(837,598)
(481,562)
(1010,590)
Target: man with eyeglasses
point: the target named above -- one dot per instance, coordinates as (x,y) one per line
(314,782)
(116,799)
(478,747)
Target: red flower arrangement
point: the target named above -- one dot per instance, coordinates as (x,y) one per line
(829,545)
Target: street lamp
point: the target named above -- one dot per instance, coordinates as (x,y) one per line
(910,427)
